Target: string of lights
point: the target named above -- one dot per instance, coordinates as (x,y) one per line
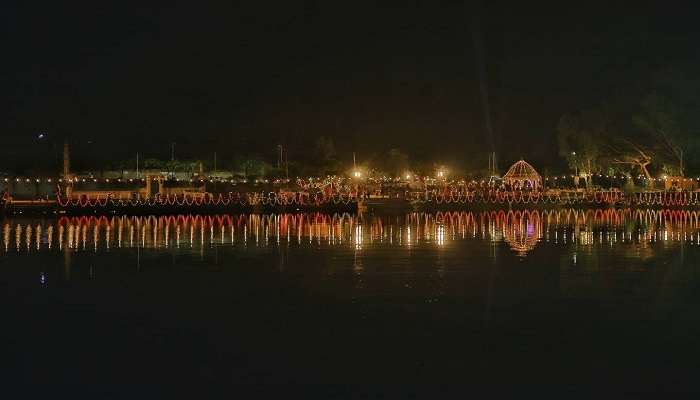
(312,182)
(490,197)
(613,197)
(207,200)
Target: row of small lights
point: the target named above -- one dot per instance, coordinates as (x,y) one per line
(384,178)
(625,177)
(107,180)
(408,177)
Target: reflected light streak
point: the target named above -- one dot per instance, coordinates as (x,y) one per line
(520,230)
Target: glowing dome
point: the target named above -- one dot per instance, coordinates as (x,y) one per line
(522,175)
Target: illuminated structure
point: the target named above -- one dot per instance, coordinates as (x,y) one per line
(522,175)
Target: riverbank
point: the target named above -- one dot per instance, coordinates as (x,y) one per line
(155,195)
(368,205)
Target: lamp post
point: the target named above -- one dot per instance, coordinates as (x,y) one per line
(573,153)
(172,159)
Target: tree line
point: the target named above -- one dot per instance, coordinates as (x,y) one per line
(648,133)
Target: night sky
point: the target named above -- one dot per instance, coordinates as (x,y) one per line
(127,76)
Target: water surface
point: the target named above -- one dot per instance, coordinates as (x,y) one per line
(543,298)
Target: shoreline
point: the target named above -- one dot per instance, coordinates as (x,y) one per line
(375,207)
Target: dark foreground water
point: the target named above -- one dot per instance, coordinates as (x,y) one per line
(560,299)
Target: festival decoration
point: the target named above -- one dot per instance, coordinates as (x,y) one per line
(522,175)
(208,200)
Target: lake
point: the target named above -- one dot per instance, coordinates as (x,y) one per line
(528,299)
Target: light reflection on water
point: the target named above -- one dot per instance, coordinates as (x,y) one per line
(521,231)
(562,288)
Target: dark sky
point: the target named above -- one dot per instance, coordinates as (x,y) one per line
(243,77)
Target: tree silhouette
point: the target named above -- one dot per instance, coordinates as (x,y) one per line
(660,118)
